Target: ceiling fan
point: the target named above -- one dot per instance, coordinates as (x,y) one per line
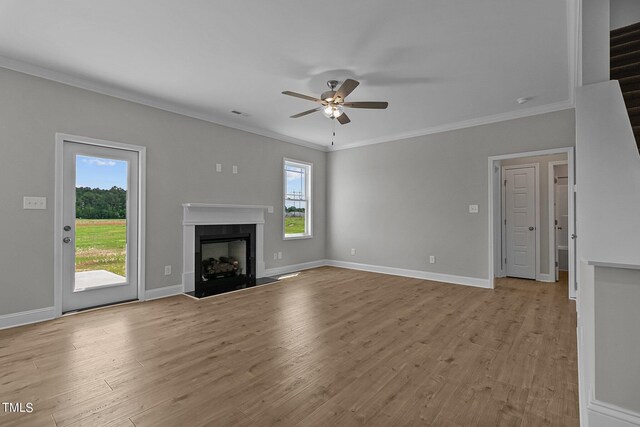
(333,101)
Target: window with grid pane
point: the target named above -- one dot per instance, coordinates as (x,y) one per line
(297,199)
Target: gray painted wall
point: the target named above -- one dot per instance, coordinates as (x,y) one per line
(397,203)
(543,196)
(181,157)
(624,12)
(617,342)
(595,41)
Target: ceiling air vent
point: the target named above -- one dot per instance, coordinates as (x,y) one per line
(240,113)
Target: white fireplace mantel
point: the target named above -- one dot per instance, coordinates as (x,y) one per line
(217,214)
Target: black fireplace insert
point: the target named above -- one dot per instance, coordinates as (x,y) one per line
(225,258)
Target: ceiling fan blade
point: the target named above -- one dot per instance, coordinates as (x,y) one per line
(346,88)
(299,95)
(343,119)
(304,113)
(379,105)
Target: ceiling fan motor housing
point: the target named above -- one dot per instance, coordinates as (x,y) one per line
(328,95)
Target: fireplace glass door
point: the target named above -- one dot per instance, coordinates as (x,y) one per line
(223,259)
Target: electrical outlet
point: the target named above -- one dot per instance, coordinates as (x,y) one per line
(235,169)
(275,255)
(279,255)
(432,259)
(218,167)
(473,208)
(167,270)
(34,203)
(353,251)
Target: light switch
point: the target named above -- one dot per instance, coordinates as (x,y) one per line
(473,208)
(34,203)
(218,167)
(235,169)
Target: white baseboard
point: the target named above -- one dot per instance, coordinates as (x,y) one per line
(167,291)
(27,317)
(605,414)
(426,275)
(545,278)
(269,272)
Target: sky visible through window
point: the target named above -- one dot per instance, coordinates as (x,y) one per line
(95,172)
(295,184)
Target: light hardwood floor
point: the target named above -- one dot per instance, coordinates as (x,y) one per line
(328,347)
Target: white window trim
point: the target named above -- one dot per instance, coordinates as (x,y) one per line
(309,208)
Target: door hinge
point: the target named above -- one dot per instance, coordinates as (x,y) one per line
(505,182)
(555,180)
(505,260)
(505,222)
(556,263)
(556,222)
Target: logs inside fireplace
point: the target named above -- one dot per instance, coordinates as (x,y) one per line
(224,258)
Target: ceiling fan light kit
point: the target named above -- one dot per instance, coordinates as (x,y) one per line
(333,101)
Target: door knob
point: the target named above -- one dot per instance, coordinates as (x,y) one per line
(573,236)
(531,228)
(67,228)
(66,239)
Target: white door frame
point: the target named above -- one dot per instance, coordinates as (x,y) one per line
(495,161)
(58,215)
(536,192)
(552,214)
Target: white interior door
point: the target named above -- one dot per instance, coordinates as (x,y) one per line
(520,212)
(100,219)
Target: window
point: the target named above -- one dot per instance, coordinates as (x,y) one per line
(297,199)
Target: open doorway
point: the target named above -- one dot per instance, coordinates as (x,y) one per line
(531,216)
(559,214)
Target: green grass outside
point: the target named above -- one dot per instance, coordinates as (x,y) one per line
(294,225)
(101,245)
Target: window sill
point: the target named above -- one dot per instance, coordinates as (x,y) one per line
(298,237)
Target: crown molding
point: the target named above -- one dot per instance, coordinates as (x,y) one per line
(149,101)
(110,90)
(533,111)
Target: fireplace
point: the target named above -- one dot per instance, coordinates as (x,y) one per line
(197,215)
(225,258)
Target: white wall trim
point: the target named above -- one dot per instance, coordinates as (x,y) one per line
(276,271)
(60,138)
(532,111)
(418,274)
(545,278)
(166,291)
(613,411)
(150,101)
(27,317)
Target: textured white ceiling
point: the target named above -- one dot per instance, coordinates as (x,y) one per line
(437,62)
